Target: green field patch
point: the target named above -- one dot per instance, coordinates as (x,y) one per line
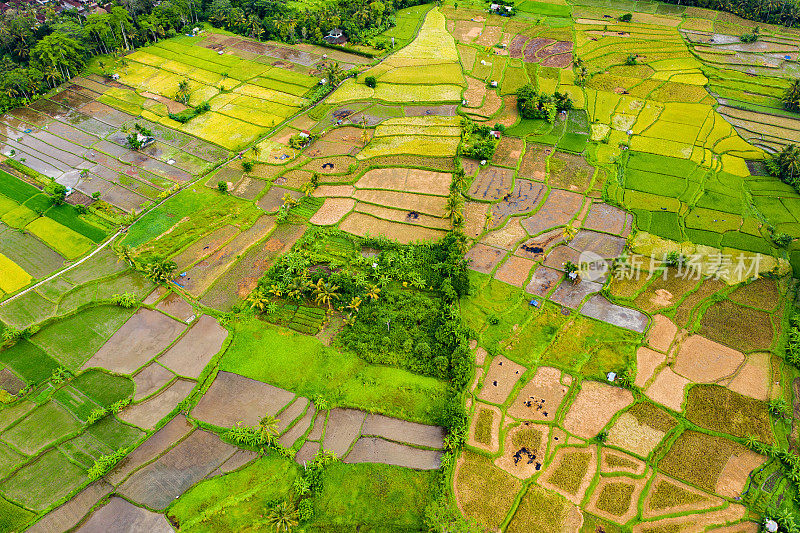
(665,224)
(50,478)
(707,238)
(16,189)
(748,243)
(68,215)
(720,409)
(708,220)
(773,209)
(714,200)
(290,76)
(75,401)
(284,87)
(423,145)
(651,202)
(103,387)
(350,493)
(232,502)
(304,365)
(6,204)
(529,343)
(114,433)
(44,425)
(13,517)
(73,340)
(28,361)
(658,184)
(513,79)
(84,449)
(660,163)
(60,238)
(19,217)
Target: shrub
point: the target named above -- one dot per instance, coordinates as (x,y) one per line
(247,166)
(370,81)
(222,186)
(632,59)
(533,104)
(188,114)
(105,463)
(127,300)
(626,17)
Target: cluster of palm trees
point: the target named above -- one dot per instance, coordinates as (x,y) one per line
(783,12)
(155,268)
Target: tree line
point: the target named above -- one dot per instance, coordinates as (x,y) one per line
(781,12)
(36,55)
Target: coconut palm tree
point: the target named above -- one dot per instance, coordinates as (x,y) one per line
(269,427)
(258,300)
(373,292)
(355,304)
(325,293)
(791,96)
(786,165)
(283,517)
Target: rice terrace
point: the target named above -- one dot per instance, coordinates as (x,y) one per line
(520,266)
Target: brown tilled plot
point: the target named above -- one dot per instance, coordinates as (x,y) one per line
(607,246)
(402,216)
(661,333)
(204,247)
(483,258)
(334,191)
(600,308)
(503,374)
(332,211)
(694,522)
(734,475)
(543,280)
(533,46)
(667,389)
(233,398)
(155,445)
(139,339)
(516,46)
(753,379)
(524,450)
(150,379)
(508,152)
(474,218)
(419,203)
(299,429)
(534,162)
(176,306)
(375,450)
(291,412)
(593,408)
(704,361)
(606,218)
(119,515)
(159,483)
(523,199)
(68,515)
(492,183)
(475,93)
(558,209)
(514,271)
(403,431)
(343,428)
(190,355)
(572,293)
(148,413)
(536,247)
(541,397)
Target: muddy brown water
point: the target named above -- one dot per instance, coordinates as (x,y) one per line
(68,515)
(403,431)
(151,379)
(233,398)
(148,413)
(375,450)
(120,516)
(344,426)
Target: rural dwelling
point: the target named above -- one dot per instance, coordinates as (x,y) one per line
(335,36)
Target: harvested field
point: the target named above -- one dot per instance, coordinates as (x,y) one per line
(667,389)
(670,496)
(543,280)
(159,483)
(233,398)
(404,217)
(536,247)
(631,435)
(155,445)
(558,209)
(332,211)
(571,472)
(204,247)
(606,246)
(514,271)
(474,218)
(508,152)
(362,225)
(695,522)
(484,258)
(403,431)
(524,450)
(647,361)
(541,397)
(704,361)
(375,450)
(149,412)
(483,491)
(492,183)
(661,333)
(484,432)
(593,408)
(120,516)
(506,237)
(753,379)
(190,355)
(534,162)
(418,203)
(140,339)
(343,428)
(500,380)
(523,199)
(406,179)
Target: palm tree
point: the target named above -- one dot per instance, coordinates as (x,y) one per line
(258,300)
(325,293)
(160,270)
(269,427)
(123,253)
(334,73)
(183,91)
(786,164)
(791,96)
(283,517)
(276,290)
(354,304)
